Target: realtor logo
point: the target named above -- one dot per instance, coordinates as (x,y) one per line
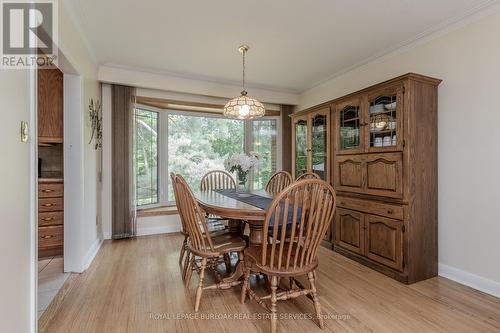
(29,34)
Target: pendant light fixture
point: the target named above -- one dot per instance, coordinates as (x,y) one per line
(244,107)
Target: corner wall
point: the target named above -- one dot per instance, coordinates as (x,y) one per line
(72,45)
(468,61)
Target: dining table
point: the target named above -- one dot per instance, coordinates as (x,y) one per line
(237,207)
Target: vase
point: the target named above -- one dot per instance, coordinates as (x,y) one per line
(243,185)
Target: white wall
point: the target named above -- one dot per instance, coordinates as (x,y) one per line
(15,247)
(72,45)
(158,224)
(467,59)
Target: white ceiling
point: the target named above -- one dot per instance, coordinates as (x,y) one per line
(294,44)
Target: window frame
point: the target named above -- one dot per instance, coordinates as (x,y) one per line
(164,177)
(158,162)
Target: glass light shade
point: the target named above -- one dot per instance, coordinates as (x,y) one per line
(244,107)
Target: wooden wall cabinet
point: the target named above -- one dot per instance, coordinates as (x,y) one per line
(384,170)
(50,106)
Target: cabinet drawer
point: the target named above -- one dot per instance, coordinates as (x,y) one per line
(50,218)
(372,207)
(50,236)
(50,190)
(50,204)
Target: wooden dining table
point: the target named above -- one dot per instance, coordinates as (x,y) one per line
(231,208)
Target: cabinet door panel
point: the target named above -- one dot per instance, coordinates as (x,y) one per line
(349,123)
(300,149)
(384,241)
(348,174)
(349,232)
(384,175)
(320,143)
(50,105)
(384,114)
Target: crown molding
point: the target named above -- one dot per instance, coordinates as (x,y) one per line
(471,15)
(161,81)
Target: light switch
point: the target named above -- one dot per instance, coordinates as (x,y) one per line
(24,131)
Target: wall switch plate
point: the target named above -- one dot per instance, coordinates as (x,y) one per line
(24,131)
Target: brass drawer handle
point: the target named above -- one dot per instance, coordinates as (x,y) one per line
(47,237)
(48,219)
(390,211)
(47,191)
(48,205)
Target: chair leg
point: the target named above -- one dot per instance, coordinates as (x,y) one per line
(246,278)
(314,295)
(183,250)
(199,291)
(227,262)
(187,260)
(189,269)
(274,317)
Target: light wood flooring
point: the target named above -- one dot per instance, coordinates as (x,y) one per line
(135,286)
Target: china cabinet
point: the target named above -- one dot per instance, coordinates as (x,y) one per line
(384,170)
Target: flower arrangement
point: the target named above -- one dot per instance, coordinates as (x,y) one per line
(242,164)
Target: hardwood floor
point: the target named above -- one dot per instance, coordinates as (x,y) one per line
(135,285)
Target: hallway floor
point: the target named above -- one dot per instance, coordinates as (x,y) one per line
(51,278)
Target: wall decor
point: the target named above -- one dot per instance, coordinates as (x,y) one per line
(95,123)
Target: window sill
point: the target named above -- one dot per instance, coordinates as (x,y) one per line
(157,211)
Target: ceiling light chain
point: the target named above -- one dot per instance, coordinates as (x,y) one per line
(244,53)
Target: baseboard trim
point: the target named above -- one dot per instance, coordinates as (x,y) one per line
(158,230)
(91,253)
(106,235)
(471,280)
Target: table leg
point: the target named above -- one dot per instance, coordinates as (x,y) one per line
(255,239)
(235,226)
(255,233)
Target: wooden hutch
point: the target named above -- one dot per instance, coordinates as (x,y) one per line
(380,155)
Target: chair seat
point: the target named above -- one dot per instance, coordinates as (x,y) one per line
(253,258)
(224,242)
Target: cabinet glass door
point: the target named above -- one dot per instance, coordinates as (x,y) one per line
(384,119)
(319,145)
(300,147)
(349,124)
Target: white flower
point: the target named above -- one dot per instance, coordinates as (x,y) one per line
(242,162)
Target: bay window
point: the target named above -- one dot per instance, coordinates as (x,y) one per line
(193,143)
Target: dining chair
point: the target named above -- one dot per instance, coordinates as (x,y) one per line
(278,182)
(219,180)
(307,175)
(201,242)
(215,227)
(299,218)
